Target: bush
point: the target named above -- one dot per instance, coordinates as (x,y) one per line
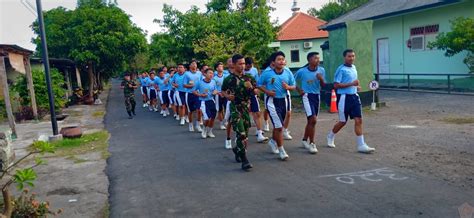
(41,91)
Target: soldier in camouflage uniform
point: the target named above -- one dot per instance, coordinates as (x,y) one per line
(238,88)
(129,87)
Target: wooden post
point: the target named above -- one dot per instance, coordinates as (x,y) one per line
(6,95)
(78,77)
(68,82)
(31,88)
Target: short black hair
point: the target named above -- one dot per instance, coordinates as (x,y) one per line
(217,64)
(236,57)
(126,74)
(152,72)
(180,64)
(347,51)
(311,54)
(248,60)
(274,56)
(208,69)
(193,60)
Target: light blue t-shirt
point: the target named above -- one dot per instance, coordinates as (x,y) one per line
(162,85)
(307,80)
(274,81)
(179,79)
(143,80)
(206,87)
(219,81)
(194,77)
(253,72)
(152,82)
(345,74)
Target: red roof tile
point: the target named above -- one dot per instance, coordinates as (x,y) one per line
(301,26)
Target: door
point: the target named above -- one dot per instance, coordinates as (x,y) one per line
(383,58)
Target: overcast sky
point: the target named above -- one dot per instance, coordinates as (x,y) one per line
(15,18)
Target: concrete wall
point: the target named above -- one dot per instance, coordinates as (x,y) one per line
(397,30)
(286,47)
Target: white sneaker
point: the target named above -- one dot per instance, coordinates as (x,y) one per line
(282,153)
(365,149)
(177,117)
(228,144)
(162,112)
(222,127)
(312,148)
(156,110)
(305,144)
(145,105)
(266,127)
(210,134)
(199,129)
(191,127)
(165,114)
(273,146)
(330,141)
(182,122)
(204,134)
(286,135)
(261,138)
(151,109)
(187,119)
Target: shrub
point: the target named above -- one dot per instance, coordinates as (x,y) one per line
(41,91)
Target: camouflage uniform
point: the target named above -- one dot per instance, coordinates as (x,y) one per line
(129,93)
(242,88)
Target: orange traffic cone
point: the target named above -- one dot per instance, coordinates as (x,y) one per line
(333,108)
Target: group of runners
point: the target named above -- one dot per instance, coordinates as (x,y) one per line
(232,96)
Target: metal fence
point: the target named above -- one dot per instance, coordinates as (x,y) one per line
(437,83)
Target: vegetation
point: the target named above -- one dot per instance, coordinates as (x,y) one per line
(459,39)
(41,91)
(100,38)
(26,204)
(331,10)
(87,143)
(216,34)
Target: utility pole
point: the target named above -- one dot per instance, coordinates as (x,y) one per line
(44,51)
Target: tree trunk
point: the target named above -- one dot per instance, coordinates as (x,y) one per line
(91,78)
(7,201)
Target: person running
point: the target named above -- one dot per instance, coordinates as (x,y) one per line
(348,101)
(206,90)
(163,88)
(178,84)
(254,102)
(152,93)
(219,98)
(143,79)
(129,87)
(309,80)
(227,117)
(275,84)
(191,77)
(266,123)
(238,88)
(171,92)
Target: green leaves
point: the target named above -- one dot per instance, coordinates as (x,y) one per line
(93,32)
(43,147)
(214,35)
(24,177)
(332,10)
(459,39)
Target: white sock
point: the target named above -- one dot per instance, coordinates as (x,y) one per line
(360,140)
(209,129)
(331,134)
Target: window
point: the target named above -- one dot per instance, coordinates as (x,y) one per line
(421,36)
(295,56)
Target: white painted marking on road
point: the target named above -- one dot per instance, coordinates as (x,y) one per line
(404,126)
(348,178)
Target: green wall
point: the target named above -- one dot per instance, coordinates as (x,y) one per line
(337,44)
(397,30)
(286,47)
(359,38)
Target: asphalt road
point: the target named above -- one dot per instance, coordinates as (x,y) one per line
(158,169)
